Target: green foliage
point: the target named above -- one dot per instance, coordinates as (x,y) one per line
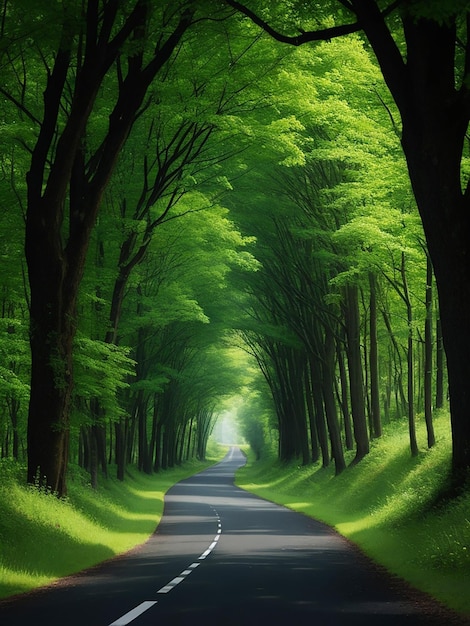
(14,382)
(255,416)
(101,371)
(438,10)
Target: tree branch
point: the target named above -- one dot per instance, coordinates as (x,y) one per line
(20,106)
(304,37)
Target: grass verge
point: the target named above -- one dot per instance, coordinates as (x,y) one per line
(43,538)
(385,506)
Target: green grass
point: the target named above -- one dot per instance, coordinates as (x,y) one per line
(43,538)
(385,506)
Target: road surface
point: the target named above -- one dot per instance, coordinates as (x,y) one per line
(223,556)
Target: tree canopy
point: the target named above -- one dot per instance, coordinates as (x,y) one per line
(244,222)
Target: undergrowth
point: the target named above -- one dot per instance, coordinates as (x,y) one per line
(386,505)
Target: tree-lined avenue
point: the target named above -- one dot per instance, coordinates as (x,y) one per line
(222,555)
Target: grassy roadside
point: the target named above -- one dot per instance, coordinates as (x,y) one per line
(43,538)
(384,505)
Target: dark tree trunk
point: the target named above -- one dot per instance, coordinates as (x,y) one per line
(439,366)
(286,403)
(190,437)
(397,385)
(93,468)
(121,437)
(157,464)
(356,384)
(374,360)
(14,407)
(315,376)
(165,447)
(410,361)
(330,404)
(182,440)
(144,463)
(314,446)
(428,357)
(343,379)
(153,436)
(295,362)
(51,338)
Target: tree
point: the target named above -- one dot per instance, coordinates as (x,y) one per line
(175,317)
(422,50)
(65,184)
(253,415)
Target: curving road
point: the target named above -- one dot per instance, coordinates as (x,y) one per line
(223,556)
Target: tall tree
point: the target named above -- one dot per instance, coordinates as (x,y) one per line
(422,50)
(66,185)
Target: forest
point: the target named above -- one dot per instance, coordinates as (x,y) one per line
(207,204)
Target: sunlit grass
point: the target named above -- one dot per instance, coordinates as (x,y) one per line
(385,505)
(43,538)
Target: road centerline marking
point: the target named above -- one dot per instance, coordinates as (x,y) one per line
(204,554)
(132,615)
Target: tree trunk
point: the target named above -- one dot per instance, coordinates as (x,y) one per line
(153,436)
(14,407)
(410,361)
(328,371)
(395,356)
(157,463)
(190,438)
(295,361)
(320,423)
(52,332)
(165,447)
(374,360)
(93,468)
(428,356)
(120,443)
(439,366)
(314,447)
(144,464)
(343,379)
(356,384)
(181,445)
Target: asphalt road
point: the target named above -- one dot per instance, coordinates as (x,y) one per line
(223,556)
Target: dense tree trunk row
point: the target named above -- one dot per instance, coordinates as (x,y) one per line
(330,360)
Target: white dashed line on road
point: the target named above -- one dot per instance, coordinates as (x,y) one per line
(141,608)
(172,584)
(131,616)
